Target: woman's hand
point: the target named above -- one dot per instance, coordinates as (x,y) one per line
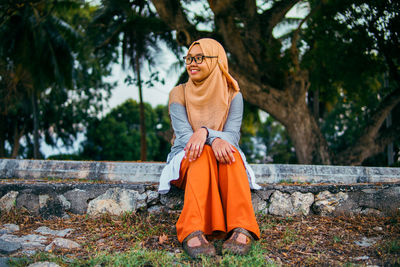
(223,151)
(196,143)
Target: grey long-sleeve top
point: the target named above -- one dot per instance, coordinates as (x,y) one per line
(183,131)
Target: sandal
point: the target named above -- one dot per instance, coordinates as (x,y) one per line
(206,249)
(233,246)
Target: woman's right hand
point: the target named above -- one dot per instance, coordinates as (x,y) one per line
(196,143)
(223,151)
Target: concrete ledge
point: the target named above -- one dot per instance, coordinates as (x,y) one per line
(143,172)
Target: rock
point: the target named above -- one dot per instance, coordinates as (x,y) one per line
(9,228)
(386,200)
(64,202)
(7,247)
(44,264)
(264,194)
(8,201)
(116,201)
(152,197)
(259,204)
(281,204)
(43,199)
(362,258)
(47,231)
(62,243)
(50,206)
(172,200)
(28,201)
(27,242)
(326,202)
(367,242)
(78,199)
(156,209)
(369,211)
(4,262)
(302,203)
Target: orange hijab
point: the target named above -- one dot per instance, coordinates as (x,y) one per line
(207,102)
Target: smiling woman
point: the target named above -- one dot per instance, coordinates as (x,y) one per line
(205,159)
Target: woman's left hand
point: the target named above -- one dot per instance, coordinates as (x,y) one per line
(223,151)
(196,143)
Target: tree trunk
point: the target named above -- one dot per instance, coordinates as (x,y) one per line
(2,141)
(143,146)
(16,145)
(36,153)
(290,108)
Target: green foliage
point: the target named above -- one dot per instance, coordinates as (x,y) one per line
(44,54)
(347,48)
(117,135)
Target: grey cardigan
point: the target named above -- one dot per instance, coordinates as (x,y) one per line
(183,131)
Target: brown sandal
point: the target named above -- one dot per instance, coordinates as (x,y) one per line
(232,246)
(206,249)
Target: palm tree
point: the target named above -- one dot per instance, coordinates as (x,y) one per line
(38,45)
(132,27)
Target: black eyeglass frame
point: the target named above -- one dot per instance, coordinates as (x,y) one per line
(195,60)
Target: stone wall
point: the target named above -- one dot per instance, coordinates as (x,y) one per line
(61,199)
(57,188)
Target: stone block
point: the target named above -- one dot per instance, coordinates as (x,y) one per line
(302,203)
(326,202)
(62,243)
(78,199)
(259,204)
(280,204)
(7,247)
(28,201)
(116,201)
(8,201)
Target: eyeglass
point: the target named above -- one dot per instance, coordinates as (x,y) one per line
(198,59)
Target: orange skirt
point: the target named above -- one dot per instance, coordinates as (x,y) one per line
(217,197)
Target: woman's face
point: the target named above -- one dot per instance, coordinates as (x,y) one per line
(197,72)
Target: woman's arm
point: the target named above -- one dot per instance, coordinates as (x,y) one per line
(231,130)
(193,142)
(180,123)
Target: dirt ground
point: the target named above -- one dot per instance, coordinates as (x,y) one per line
(311,240)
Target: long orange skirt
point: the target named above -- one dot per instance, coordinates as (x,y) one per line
(217,197)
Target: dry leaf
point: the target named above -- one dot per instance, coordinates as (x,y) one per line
(162,238)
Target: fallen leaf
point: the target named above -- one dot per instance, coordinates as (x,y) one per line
(162,238)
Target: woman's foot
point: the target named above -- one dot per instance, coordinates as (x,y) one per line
(196,245)
(239,243)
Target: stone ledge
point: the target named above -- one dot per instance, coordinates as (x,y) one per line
(59,199)
(144,172)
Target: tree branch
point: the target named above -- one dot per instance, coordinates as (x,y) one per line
(388,136)
(275,14)
(371,140)
(382,112)
(171,12)
(231,34)
(294,52)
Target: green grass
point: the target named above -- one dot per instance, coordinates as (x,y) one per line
(144,257)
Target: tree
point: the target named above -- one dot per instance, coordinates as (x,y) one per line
(132,27)
(273,77)
(117,135)
(45,55)
(35,41)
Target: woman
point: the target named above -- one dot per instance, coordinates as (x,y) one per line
(205,159)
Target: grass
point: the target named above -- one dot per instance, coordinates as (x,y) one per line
(144,239)
(145,257)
